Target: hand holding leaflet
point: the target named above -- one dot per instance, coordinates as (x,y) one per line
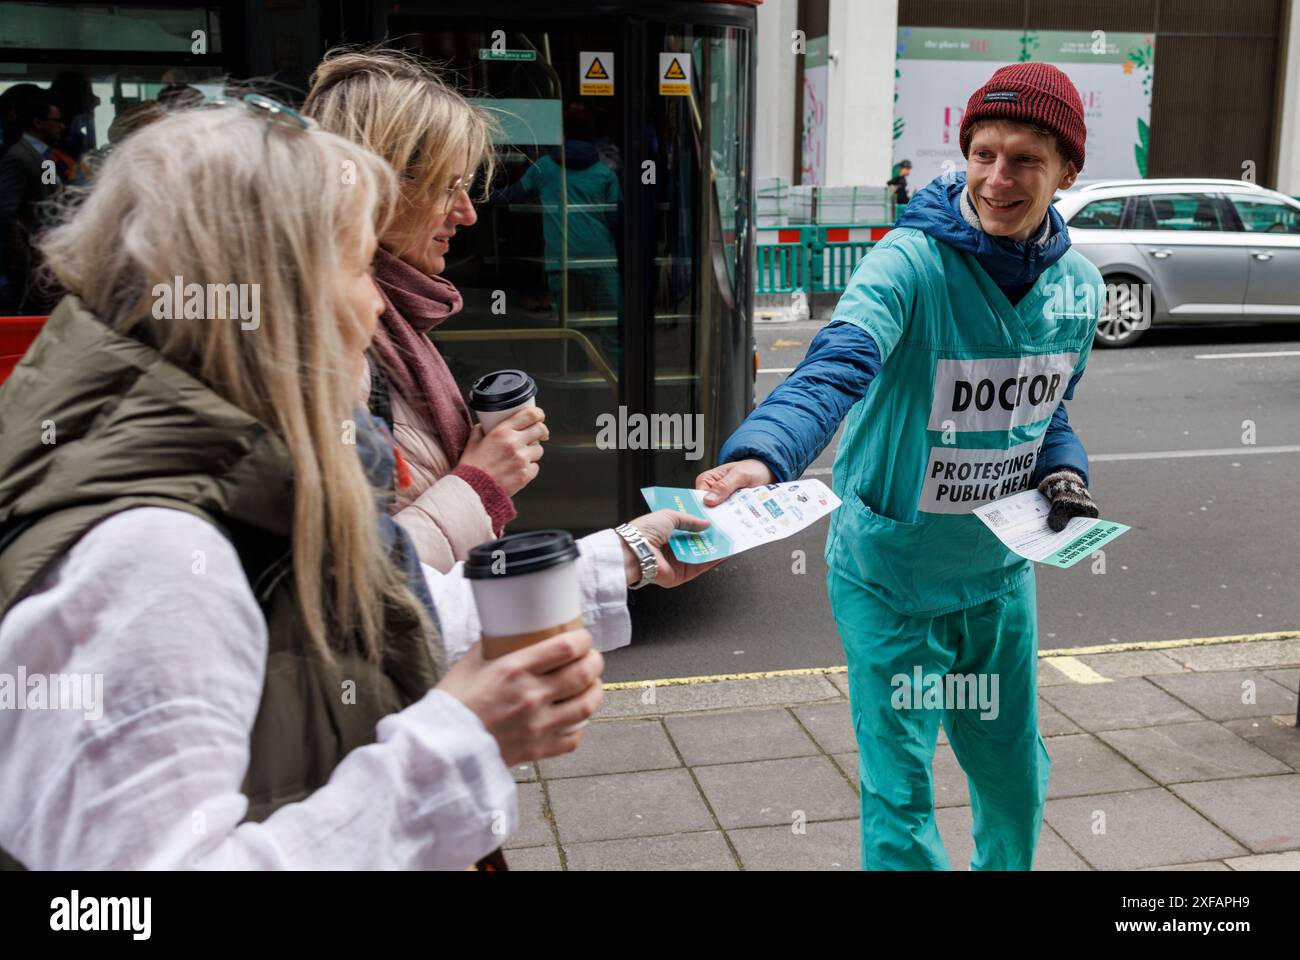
(1020,522)
(749,517)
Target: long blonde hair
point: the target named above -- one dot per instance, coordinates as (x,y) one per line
(399,106)
(220,195)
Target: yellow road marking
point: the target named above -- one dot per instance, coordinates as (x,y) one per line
(1076,670)
(1053,654)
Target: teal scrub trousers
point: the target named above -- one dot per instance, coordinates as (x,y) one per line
(1003,757)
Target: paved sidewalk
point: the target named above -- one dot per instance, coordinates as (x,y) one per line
(1155,745)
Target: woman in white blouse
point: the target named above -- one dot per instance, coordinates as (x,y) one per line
(189,540)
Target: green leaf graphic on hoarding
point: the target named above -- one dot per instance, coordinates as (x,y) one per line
(898,127)
(1144,134)
(1140,149)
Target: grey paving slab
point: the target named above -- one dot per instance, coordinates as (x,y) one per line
(615,746)
(534,829)
(524,772)
(1082,764)
(531,859)
(665,699)
(765,792)
(841,682)
(1288,678)
(683,851)
(1276,736)
(1290,860)
(830,724)
(1130,663)
(620,805)
(1144,828)
(735,737)
(950,786)
(1261,812)
(1053,723)
(1132,702)
(1202,865)
(1233,656)
(828,845)
(1203,750)
(955,829)
(848,762)
(1221,695)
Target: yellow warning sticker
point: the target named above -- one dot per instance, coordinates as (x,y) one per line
(595,73)
(674,74)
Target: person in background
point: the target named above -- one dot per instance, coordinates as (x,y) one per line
(899,182)
(9,103)
(28,180)
(77,101)
(127,121)
(583,207)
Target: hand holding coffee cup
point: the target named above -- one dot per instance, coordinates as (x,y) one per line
(506,443)
(496,396)
(526,590)
(534,701)
(509,454)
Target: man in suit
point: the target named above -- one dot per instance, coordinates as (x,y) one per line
(28,178)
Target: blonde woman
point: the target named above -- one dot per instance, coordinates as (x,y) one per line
(462,481)
(192,539)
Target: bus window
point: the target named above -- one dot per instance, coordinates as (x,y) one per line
(700,221)
(541,270)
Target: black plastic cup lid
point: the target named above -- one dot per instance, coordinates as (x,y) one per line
(501,390)
(520,553)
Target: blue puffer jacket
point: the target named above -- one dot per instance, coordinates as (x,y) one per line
(799,418)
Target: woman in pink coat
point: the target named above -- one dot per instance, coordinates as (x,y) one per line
(461,481)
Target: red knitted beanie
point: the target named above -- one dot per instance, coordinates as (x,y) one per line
(1037,93)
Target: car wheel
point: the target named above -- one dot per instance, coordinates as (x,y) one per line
(1124,315)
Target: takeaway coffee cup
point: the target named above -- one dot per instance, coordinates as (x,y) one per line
(495,396)
(526,589)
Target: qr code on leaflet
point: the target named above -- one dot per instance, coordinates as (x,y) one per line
(995,518)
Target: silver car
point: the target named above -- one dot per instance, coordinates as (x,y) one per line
(1186,251)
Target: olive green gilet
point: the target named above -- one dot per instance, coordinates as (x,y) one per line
(92,423)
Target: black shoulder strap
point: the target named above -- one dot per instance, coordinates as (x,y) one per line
(381,404)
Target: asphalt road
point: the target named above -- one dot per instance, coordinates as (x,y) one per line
(1214,549)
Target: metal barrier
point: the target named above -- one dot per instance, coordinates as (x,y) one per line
(813,258)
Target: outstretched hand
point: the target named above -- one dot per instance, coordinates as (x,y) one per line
(722,481)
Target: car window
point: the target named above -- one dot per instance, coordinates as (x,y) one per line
(1267,216)
(1100,215)
(1177,211)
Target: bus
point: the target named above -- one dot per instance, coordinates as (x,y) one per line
(629,303)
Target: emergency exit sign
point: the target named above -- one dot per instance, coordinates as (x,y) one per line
(487,53)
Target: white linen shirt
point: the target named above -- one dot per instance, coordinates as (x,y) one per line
(156,603)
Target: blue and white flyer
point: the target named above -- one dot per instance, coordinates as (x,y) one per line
(748,518)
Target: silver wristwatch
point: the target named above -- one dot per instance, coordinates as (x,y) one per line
(645,556)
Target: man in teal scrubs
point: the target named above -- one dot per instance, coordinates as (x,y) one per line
(971,322)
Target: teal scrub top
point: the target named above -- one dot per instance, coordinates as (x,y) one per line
(954,419)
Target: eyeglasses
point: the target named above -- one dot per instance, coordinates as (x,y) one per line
(273,110)
(463,185)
